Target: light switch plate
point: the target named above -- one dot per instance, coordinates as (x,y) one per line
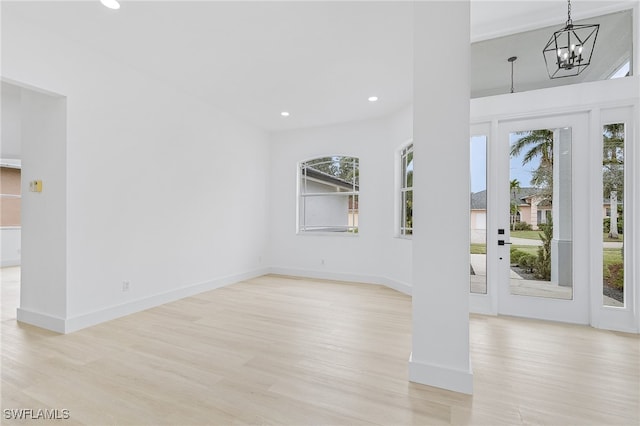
(35,186)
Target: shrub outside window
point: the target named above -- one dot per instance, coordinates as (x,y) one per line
(328,195)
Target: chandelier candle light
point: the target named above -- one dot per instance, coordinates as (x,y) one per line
(569,50)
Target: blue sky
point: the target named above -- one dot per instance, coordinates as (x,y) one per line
(479,165)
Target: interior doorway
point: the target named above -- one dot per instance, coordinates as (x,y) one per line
(33,154)
(10,175)
(11,197)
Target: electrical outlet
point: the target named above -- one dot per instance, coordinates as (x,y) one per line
(125,285)
(322,261)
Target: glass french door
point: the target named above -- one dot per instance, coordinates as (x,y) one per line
(614,295)
(541,183)
(481,288)
(553,217)
(527,183)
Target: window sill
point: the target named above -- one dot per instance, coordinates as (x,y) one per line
(328,234)
(404,237)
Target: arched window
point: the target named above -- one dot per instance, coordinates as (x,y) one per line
(328,195)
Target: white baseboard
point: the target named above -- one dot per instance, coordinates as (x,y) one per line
(92,318)
(400,286)
(617,324)
(441,377)
(37,319)
(339,276)
(68,325)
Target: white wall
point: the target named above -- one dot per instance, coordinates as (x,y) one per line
(162,190)
(375,254)
(43,280)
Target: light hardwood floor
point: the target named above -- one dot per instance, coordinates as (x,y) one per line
(277,350)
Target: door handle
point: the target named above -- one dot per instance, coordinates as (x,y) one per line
(502,243)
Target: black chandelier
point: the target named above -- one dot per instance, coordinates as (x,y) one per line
(569,50)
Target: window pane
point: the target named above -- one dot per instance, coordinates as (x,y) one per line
(409,170)
(403,162)
(613,214)
(406,191)
(408,213)
(540,189)
(478,215)
(328,199)
(353,213)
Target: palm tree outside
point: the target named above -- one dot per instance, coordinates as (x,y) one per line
(537,144)
(514,188)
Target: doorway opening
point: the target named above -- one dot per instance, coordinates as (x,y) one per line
(33,156)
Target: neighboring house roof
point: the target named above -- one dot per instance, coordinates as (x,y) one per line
(329,179)
(479,200)
(522,197)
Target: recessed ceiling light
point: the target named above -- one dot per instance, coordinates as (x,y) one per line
(111,4)
(373,98)
(284,114)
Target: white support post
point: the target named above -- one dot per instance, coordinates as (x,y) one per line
(561,244)
(440,355)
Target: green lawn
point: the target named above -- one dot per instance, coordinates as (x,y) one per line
(529,235)
(527,249)
(605,237)
(478,248)
(535,235)
(612,268)
(611,255)
(482,249)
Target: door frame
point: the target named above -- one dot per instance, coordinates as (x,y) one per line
(487,303)
(575,310)
(627,317)
(586,165)
(596,99)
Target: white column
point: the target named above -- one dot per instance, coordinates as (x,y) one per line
(440,353)
(561,244)
(43,286)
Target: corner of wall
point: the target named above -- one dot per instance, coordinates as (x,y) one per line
(441,377)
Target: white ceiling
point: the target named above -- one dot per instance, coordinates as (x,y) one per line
(318,60)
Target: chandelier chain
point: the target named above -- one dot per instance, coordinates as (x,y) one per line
(569,20)
(512,77)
